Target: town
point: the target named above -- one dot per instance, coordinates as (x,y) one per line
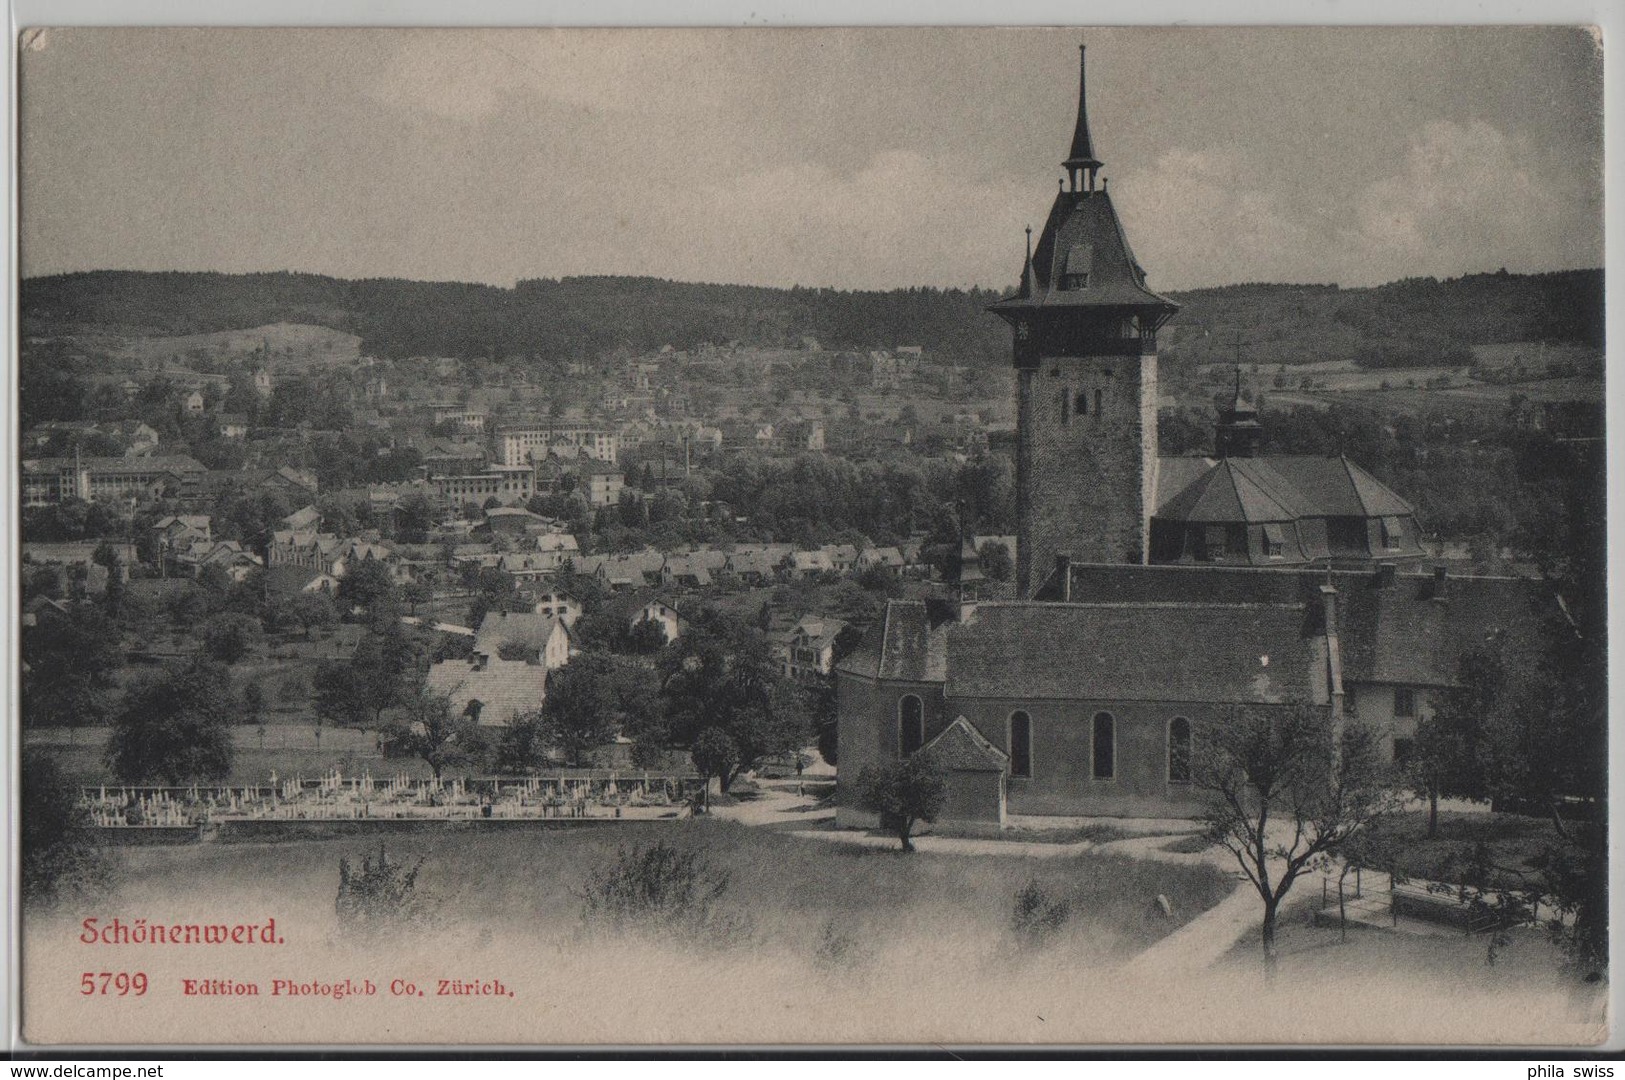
(1153,626)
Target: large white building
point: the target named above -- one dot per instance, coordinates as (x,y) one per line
(523,445)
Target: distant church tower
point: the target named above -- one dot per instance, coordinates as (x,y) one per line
(1085,330)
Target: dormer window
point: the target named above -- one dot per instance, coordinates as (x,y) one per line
(1080,263)
(1393,533)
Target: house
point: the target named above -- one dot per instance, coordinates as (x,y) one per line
(487,689)
(658,613)
(843,558)
(554,549)
(880,558)
(295,483)
(755,564)
(556,603)
(808,652)
(601,483)
(231,426)
(304,519)
(452,457)
(512,520)
(192,402)
(177,530)
(693,570)
(544,639)
(805,565)
(466,417)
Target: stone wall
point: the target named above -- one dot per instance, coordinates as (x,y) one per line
(1086,478)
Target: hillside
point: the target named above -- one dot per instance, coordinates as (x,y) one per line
(1417,322)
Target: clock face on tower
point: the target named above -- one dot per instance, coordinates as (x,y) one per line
(1022,332)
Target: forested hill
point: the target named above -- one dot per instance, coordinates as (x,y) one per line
(589,316)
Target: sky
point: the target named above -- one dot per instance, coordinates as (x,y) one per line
(836,158)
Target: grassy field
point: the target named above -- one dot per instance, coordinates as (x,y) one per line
(1514,840)
(1384,986)
(828,942)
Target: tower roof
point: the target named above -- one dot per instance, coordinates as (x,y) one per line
(1083,259)
(1083,236)
(1083,147)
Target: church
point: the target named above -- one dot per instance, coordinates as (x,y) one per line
(1151,593)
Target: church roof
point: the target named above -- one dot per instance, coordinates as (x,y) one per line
(1235,489)
(1272,488)
(1258,653)
(1406,630)
(961,748)
(906,647)
(1337,487)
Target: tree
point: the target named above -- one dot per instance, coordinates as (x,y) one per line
(253,702)
(995,559)
(524,745)
(229,637)
(69,660)
(61,853)
(366,584)
(384,673)
(1289,789)
(415,593)
(174,727)
(903,793)
(1450,752)
(309,610)
(721,674)
(429,731)
(591,700)
(494,590)
(715,754)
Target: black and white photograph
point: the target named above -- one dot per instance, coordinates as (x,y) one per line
(916,536)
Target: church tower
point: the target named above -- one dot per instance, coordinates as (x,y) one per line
(1085,328)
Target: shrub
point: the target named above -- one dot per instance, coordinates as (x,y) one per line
(1037,915)
(61,854)
(836,947)
(662,888)
(381,897)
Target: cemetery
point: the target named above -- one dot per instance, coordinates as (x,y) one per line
(291,807)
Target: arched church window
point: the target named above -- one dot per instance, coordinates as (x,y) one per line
(1066,415)
(910,724)
(1021,744)
(1104,745)
(1179,750)
(1082,403)
(1097,401)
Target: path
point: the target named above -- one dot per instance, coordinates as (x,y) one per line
(1198,944)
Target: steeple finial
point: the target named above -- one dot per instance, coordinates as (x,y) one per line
(1029,278)
(1081,164)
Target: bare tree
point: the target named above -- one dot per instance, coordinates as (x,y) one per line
(1290,789)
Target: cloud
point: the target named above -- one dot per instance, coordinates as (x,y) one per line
(1198,217)
(469,75)
(903,218)
(1462,199)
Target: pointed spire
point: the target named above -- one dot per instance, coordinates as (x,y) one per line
(1082,159)
(1029,277)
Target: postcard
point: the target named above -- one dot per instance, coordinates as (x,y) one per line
(971,537)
